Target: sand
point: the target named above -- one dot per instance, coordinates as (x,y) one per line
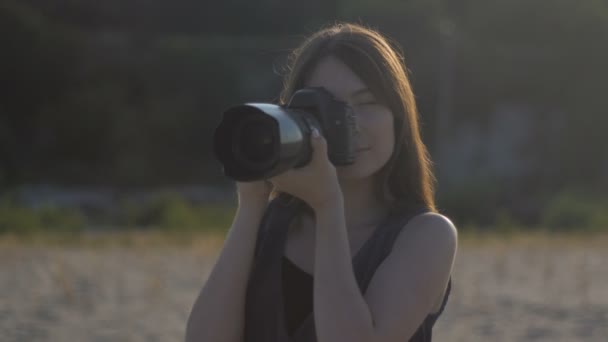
(511,290)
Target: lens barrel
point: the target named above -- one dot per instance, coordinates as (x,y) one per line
(257,141)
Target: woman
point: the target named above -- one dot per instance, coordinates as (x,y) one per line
(362,244)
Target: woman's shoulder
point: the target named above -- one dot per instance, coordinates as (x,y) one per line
(420,215)
(427,230)
(432,224)
(432,217)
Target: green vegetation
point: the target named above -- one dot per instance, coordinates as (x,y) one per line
(22,220)
(576,211)
(170,212)
(478,207)
(167,213)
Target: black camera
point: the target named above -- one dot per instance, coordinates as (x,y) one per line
(257,141)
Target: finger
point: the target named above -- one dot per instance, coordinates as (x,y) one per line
(319,144)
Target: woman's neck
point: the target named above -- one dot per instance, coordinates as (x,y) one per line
(362,209)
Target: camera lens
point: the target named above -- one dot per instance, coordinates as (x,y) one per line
(255,141)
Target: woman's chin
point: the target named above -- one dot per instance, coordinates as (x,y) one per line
(352,172)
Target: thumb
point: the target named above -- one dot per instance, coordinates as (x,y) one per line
(319,144)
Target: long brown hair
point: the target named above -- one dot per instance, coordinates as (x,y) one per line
(407,178)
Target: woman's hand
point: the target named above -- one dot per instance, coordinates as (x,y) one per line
(317,182)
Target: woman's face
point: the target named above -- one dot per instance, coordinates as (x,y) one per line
(376,139)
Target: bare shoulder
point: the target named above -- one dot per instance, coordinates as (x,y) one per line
(429,229)
(435,222)
(411,282)
(430,238)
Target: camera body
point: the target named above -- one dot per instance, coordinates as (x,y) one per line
(256,141)
(335,120)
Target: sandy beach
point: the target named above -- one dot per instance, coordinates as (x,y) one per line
(529,289)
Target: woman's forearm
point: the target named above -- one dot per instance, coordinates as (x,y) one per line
(340,311)
(218,313)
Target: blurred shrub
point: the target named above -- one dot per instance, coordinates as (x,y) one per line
(575,210)
(489,206)
(58,219)
(172,212)
(21,220)
(167,212)
(18,220)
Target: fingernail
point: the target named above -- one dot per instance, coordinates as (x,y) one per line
(315,133)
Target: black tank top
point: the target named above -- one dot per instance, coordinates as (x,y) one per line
(297,295)
(298,298)
(279,309)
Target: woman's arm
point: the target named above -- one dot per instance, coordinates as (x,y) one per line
(340,311)
(218,314)
(402,291)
